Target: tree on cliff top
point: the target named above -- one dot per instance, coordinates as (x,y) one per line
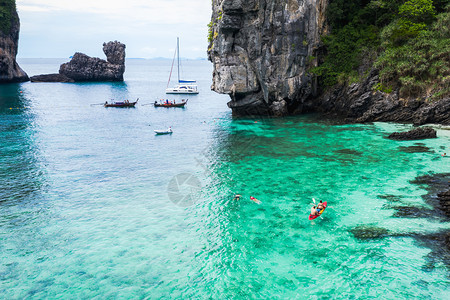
(7,15)
(405,38)
(414,16)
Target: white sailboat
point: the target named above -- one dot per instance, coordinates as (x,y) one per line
(183,86)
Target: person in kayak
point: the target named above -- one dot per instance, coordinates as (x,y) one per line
(314,211)
(320,206)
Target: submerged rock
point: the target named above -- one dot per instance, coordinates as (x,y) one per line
(438,187)
(439,243)
(444,201)
(86,68)
(365,232)
(415,149)
(9,38)
(415,134)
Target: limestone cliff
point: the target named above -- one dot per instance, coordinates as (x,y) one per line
(9,38)
(85,68)
(261,50)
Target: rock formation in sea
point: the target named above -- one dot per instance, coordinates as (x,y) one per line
(85,68)
(262,51)
(419,133)
(9,39)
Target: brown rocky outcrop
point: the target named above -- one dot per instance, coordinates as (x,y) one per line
(85,68)
(9,39)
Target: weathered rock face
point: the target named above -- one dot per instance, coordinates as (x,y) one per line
(85,68)
(9,38)
(261,49)
(361,102)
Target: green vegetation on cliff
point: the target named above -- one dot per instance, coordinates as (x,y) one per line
(7,15)
(408,41)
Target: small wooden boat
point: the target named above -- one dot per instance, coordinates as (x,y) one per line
(170,104)
(125,103)
(168,131)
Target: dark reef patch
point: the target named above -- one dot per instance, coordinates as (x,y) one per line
(391,198)
(349,151)
(438,187)
(415,149)
(412,212)
(439,243)
(367,232)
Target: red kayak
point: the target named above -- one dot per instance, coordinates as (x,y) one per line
(312,217)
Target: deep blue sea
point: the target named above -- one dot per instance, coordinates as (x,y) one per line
(94,205)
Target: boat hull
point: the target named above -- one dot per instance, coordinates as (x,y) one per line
(120,104)
(181,92)
(170,105)
(161,132)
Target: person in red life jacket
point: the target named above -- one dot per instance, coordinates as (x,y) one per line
(255,200)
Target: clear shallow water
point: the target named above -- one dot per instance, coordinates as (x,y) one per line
(87,198)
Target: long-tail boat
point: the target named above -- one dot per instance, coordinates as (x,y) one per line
(125,103)
(170,104)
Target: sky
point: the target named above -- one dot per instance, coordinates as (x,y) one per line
(148,28)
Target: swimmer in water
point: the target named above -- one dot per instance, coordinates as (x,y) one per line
(255,200)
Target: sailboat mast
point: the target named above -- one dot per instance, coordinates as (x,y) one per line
(178,55)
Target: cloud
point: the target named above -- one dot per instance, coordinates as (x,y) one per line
(51,28)
(155,11)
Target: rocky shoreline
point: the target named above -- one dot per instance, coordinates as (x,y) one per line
(362,102)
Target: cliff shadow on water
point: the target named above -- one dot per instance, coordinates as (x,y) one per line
(23,178)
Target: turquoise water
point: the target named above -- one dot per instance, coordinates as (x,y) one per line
(94,205)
